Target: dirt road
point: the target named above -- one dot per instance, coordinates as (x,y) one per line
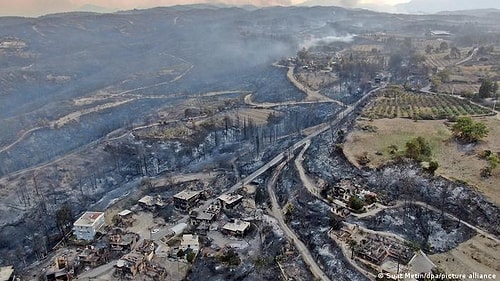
(301,247)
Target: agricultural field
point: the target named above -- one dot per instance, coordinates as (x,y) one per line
(439,58)
(464,76)
(465,79)
(465,90)
(456,161)
(396,103)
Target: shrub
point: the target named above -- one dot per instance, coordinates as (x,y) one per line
(433,166)
(486,172)
(485,154)
(190,257)
(363,159)
(393,149)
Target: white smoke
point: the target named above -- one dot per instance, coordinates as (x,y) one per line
(326,40)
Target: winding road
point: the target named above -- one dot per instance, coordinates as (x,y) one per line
(277,213)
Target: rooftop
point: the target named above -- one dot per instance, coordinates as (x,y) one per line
(179,228)
(421,263)
(148,200)
(236,226)
(191,241)
(6,272)
(440,32)
(124,213)
(88,218)
(151,201)
(186,194)
(229,198)
(205,216)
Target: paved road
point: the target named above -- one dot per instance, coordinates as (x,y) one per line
(318,130)
(248,101)
(301,247)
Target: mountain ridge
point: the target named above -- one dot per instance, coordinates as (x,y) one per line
(431,6)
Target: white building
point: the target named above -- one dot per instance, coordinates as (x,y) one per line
(236,227)
(7,273)
(228,201)
(190,241)
(87,225)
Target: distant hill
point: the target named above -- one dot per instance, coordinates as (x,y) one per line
(432,6)
(309,3)
(349,4)
(475,13)
(95,9)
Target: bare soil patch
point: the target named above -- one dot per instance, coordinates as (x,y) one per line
(478,254)
(258,116)
(456,161)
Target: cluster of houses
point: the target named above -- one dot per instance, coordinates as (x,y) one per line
(186,200)
(100,243)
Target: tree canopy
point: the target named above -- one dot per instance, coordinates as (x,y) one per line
(418,148)
(488,89)
(465,129)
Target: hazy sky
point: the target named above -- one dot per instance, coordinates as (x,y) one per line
(40,7)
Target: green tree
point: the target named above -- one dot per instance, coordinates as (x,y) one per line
(444,75)
(487,89)
(435,83)
(418,148)
(190,257)
(465,129)
(355,203)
